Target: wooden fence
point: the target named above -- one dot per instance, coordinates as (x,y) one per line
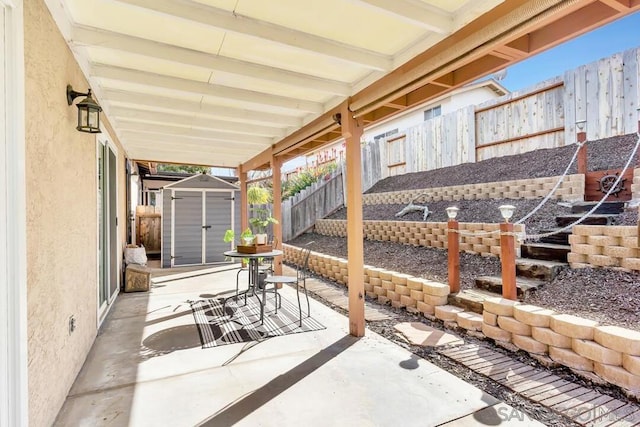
(300,212)
(148,228)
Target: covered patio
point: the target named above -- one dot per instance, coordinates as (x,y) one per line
(148,368)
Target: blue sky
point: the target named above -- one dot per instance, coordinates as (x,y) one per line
(603,42)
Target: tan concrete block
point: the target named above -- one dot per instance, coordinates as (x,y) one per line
(373,272)
(416,295)
(570,359)
(435,300)
(631,363)
(368,287)
(490,318)
(469,321)
(532,315)
(589,230)
(425,308)
(602,261)
(620,252)
(529,344)
(575,239)
(407,301)
(547,336)
(447,312)
(630,263)
(435,288)
(415,283)
(514,326)
(576,258)
(500,306)
(383,300)
(379,290)
(596,352)
(619,339)
(393,296)
(586,249)
(629,242)
(618,376)
(402,290)
(602,240)
(496,333)
(573,326)
(388,285)
(621,231)
(375,281)
(385,275)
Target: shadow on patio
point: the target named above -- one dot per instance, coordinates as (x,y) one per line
(148,367)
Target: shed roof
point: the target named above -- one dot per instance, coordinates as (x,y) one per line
(203,181)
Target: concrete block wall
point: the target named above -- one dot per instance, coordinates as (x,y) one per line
(604,246)
(572,189)
(611,353)
(635,186)
(427,234)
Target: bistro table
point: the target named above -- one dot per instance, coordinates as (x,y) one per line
(254,273)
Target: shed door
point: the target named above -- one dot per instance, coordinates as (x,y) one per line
(218,219)
(187,231)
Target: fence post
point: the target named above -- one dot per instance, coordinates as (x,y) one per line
(453,248)
(508,261)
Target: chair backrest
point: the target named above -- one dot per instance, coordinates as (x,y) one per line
(303,267)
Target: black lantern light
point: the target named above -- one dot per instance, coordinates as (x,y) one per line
(88,111)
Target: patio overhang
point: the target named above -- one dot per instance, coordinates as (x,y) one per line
(223,82)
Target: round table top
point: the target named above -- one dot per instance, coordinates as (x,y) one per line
(270,254)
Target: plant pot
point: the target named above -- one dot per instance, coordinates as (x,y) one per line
(261,239)
(248,241)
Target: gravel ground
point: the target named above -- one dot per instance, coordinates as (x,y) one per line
(609,153)
(605,295)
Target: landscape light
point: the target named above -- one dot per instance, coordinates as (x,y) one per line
(507,212)
(452,212)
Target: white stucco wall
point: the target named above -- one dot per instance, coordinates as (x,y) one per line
(61,218)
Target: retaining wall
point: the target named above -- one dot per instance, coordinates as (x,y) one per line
(604,246)
(603,353)
(571,190)
(427,234)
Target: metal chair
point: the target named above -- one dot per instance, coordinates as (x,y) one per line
(300,279)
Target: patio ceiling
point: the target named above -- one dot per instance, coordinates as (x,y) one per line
(219,82)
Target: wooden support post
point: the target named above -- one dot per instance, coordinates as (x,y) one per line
(352,132)
(582,154)
(244,204)
(453,248)
(276,176)
(508,260)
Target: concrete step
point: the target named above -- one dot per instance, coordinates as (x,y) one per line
(494,284)
(565,220)
(471,299)
(538,268)
(561,238)
(545,251)
(605,208)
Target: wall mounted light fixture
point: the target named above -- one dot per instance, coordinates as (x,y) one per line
(88,111)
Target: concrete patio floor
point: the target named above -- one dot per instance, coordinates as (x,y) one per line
(147,368)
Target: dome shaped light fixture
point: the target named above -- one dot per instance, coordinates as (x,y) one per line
(452,212)
(88,111)
(507,212)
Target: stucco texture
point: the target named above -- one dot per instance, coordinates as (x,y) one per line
(61,218)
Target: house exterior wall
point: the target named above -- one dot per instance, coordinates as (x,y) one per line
(61,218)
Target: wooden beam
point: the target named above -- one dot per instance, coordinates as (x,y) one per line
(318,127)
(445,81)
(165,103)
(85,35)
(158,132)
(482,66)
(236,23)
(619,5)
(259,162)
(276,173)
(202,88)
(352,132)
(416,13)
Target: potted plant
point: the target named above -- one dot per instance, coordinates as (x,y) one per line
(246,237)
(260,222)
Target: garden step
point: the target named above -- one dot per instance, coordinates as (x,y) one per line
(605,208)
(494,284)
(561,238)
(471,299)
(545,251)
(538,268)
(564,220)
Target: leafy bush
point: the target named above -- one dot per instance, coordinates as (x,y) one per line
(305,179)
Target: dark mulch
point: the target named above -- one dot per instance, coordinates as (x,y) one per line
(608,153)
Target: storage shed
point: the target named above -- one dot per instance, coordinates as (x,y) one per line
(196,212)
